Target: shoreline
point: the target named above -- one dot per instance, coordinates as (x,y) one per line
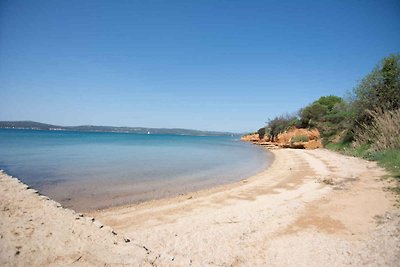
(200,190)
(308,208)
(203,191)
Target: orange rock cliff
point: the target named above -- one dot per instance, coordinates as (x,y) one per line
(292,138)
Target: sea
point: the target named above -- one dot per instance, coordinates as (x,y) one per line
(95,170)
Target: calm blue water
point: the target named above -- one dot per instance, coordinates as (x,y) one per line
(96,170)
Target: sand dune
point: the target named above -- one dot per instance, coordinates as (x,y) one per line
(310,208)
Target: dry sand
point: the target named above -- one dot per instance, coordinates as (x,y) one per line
(309,208)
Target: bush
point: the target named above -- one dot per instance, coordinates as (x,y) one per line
(261,132)
(320,110)
(280,124)
(329,114)
(299,138)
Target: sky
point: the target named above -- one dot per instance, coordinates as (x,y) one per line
(207,65)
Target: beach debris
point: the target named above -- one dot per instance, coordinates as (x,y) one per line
(384,218)
(328,181)
(147,250)
(232,221)
(33,191)
(113,232)
(325,180)
(98,224)
(152,263)
(80,257)
(18,248)
(127,239)
(79,215)
(106,228)
(190,197)
(244,181)
(24,186)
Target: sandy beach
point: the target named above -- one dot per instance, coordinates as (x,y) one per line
(309,208)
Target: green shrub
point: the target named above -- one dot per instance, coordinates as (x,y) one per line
(299,138)
(340,147)
(261,132)
(390,160)
(321,110)
(349,149)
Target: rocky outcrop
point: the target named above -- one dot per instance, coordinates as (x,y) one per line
(299,138)
(251,138)
(292,138)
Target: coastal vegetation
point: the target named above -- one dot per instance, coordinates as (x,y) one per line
(366,123)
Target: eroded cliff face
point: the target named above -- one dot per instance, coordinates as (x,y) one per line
(292,138)
(300,138)
(251,138)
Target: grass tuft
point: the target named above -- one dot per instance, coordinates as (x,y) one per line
(390,160)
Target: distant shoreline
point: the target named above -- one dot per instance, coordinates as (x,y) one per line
(32,125)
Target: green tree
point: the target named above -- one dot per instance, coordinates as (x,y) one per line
(321,110)
(380,89)
(331,115)
(261,132)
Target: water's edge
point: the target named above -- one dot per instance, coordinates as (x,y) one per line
(207,187)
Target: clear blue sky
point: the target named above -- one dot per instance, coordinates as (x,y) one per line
(211,65)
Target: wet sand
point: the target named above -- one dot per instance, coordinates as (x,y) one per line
(309,208)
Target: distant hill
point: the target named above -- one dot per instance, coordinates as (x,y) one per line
(32,125)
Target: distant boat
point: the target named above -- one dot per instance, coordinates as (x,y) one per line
(148,132)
